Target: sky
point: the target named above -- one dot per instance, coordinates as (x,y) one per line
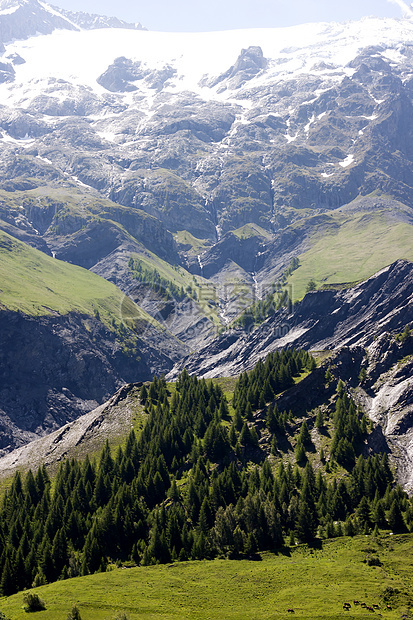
(210,15)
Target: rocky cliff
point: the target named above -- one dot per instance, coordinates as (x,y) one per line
(323,320)
(55,368)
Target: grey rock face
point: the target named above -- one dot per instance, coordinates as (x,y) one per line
(123,71)
(322,320)
(16,59)
(387,396)
(118,76)
(53,369)
(112,419)
(93,21)
(248,64)
(7,72)
(29,18)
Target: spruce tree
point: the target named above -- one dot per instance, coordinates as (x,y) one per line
(395,518)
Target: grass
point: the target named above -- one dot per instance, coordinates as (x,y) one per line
(194,246)
(36,284)
(352,252)
(251,230)
(315,582)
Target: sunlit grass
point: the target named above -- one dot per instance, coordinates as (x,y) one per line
(314,582)
(358,248)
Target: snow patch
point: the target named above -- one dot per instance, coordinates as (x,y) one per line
(80,183)
(10,10)
(290,138)
(370,118)
(24,142)
(45,159)
(310,122)
(347,161)
(108,136)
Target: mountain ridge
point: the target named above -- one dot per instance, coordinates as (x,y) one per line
(21,19)
(198,172)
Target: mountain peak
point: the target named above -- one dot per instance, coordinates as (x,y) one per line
(92,21)
(21,19)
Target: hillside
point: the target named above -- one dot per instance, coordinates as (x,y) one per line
(329,319)
(214,470)
(314,582)
(68,340)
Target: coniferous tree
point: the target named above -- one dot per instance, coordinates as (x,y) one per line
(300,454)
(395,518)
(306,526)
(8,580)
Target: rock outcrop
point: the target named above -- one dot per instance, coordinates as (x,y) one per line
(55,368)
(327,319)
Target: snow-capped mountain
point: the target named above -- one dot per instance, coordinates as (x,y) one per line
(211,159)
(209,132)
(21,19)
(226,121)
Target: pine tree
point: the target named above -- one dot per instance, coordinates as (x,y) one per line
(395,518)
(363,512)
(300,455)
(304,435)
(7,581)
(319,421)
(144,394)
(306,526)
(272,419)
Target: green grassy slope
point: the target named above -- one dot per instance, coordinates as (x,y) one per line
(313,582)
(36,284)
(353,249)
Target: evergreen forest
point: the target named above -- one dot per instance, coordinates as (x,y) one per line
(196,483)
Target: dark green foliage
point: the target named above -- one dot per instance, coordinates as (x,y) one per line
(32,602)
(269,378)
(304,435)
(395,517)
(348,431)
(300,455)
(328,376)
(187,487)
(311,286)
(319,421)
(405,334)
